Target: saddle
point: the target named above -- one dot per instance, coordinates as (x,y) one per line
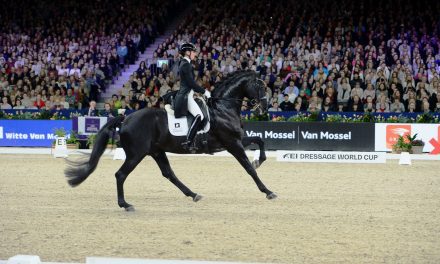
(180,126)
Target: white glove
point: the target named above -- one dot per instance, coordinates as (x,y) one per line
(207,94)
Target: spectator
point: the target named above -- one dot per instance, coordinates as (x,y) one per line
(357,90)
(355,104)
(341,107)
(411,106)
(116,102)
(5,104)
(369,91)
(327,105)
(18,105)
(286,105)
(313,107)
(369,107)
(244,106)
(425,105)
(344,92)
(435,102)
(107,112)
(71,99)
(292,91)
(122,51)
(125,105)
(92,111)
(300,104)
(39,103)
(397,106)
(275,108)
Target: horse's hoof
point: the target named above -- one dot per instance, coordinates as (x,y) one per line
(130,208)
(271,196)
(197,198)
(256,164)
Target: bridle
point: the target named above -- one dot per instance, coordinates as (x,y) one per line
(256,104)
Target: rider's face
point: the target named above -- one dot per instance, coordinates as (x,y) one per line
(193,55)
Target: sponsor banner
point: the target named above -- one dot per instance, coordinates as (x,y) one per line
(313,136)
(87,125)
(31,133)
(387,135)
(331,156)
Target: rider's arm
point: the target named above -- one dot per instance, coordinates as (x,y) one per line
(185,76)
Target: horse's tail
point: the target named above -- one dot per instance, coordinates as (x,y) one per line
(78,171)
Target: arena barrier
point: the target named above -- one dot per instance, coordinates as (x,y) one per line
(299,136)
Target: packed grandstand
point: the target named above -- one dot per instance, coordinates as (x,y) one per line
(358,56)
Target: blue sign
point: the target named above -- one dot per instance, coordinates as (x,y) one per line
(31,133)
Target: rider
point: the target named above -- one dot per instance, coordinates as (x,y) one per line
(184,100)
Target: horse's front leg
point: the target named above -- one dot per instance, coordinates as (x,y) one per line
(246,141)
(237,150)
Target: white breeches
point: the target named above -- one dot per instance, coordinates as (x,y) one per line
(193,107)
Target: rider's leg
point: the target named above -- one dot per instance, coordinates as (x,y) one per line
(194,109)
(192,132)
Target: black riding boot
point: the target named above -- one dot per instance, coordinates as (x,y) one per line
(188,144)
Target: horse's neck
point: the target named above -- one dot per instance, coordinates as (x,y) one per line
(235,91)
(230,103)
(230,98)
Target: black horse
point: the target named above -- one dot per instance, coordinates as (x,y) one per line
(145,132)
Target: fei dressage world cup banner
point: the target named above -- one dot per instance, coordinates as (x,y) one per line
(331,156)
(313,136)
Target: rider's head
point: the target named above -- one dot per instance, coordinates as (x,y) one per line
(189,50)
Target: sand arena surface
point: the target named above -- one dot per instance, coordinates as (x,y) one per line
(325,213)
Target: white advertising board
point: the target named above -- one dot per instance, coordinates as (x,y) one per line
(386,135)
(331,156)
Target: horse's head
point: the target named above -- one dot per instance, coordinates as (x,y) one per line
(256,92)
(231,90)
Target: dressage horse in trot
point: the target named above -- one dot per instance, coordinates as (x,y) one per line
(145,132)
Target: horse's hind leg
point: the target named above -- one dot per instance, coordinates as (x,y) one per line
(121,176)
(246,141)
(237,150)
(164,165)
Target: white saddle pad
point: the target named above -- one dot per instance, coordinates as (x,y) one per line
(179,126)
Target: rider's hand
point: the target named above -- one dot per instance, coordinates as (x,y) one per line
(207,94)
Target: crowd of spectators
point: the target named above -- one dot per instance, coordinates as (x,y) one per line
(63,54)
(357,56)
(314,55)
